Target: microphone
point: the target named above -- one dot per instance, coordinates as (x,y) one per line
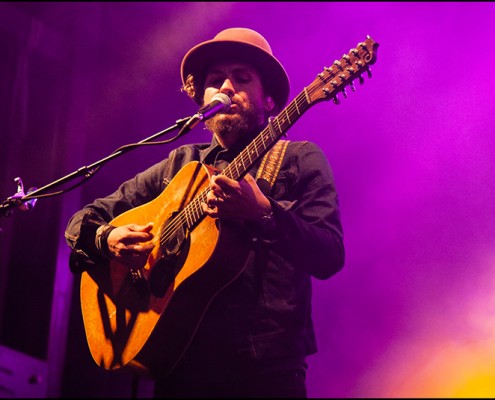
(219,103)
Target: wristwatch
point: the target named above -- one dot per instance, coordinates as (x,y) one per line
(268,225)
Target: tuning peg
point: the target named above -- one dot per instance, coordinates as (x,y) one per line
(361,79)
(344,93)
(351,84)
(335,100)
(369,72)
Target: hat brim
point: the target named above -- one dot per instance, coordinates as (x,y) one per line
(273,74)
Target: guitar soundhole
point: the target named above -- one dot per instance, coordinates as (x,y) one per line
(165,270)
(176,238)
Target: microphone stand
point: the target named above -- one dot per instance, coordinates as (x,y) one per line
(26,201)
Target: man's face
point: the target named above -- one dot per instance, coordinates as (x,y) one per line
(249,110)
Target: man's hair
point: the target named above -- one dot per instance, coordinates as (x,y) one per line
(193,89)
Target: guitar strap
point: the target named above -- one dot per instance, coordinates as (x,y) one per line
(270,165)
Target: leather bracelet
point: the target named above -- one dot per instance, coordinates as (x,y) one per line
(101,239)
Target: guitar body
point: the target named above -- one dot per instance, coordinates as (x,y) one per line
(129,325)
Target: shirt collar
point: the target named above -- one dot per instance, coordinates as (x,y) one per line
(209,154)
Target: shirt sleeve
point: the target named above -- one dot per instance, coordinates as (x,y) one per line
(309,218)
(81,228)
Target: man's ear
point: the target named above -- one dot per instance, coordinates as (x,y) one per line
(269,103)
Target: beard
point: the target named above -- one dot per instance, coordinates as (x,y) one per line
(234,126)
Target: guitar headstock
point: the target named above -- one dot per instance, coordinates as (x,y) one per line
(334,80)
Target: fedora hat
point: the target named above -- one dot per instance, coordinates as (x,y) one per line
(240,44)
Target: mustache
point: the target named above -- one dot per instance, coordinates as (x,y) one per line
(239,104)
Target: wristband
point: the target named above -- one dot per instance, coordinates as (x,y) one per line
(101,238)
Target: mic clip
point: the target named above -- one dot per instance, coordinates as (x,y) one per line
(17,199)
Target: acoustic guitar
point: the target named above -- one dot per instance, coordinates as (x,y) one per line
(144,319)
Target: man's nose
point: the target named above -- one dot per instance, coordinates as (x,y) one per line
(227,88)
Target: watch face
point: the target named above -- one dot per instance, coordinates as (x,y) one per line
(268,221)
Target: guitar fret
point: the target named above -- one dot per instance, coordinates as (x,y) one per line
(237,167)
(185,213)
(269,136)
(297,108)
(255,151)
(272,129)
(191,214)
(302,100)
(246,160)
(192,217)
(199,209)
(184,217)
(248,153)
(286,113)
(306,95)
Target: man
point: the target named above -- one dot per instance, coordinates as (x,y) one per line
(257,331)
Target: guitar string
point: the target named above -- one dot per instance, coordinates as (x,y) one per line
(194,209)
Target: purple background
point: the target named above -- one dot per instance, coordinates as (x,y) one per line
(413,312)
